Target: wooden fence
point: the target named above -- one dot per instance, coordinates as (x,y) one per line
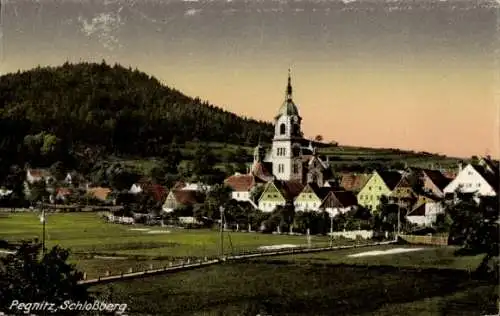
(193,264)
(425,240)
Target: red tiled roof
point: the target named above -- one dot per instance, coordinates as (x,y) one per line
(179,185)
(289,189)
(158,192)
(353,181)
(63,191)
(38,173)
(242,182)
(260,171)
(99,192)
(187,197)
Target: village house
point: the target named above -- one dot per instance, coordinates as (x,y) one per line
(432,181)
(425,211)
(279,193)
(99,193)
(403,194)
(187,186)
(352,181)
(476,179)
(339,202)
(177,198)
(381,183)
(61,195)
(35,175)
(311,197)
(243,184)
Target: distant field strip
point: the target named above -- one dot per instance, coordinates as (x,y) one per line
(384,252)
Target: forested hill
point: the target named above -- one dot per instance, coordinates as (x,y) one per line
(122,110)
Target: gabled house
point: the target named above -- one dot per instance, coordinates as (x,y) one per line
(353,182)
(74,178)
(339,202)
(403,194)
(5,192)
(135,188)
(187,186)
(316,170)
(425,211)
(311,197)
(432,181)
(279,192)
(61,195)
(99,193)
(35,175)
(179,198)
(242,184)
(474,179)
(381,183)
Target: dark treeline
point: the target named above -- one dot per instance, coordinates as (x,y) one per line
(119,111)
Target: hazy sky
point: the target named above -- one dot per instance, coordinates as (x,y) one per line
(419,75)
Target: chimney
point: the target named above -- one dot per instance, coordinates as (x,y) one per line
(460,167)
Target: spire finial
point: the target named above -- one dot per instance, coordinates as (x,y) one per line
(289,86)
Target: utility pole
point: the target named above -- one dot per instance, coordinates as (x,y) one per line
(399,221)
(331,230)
(221,209)
(42,220)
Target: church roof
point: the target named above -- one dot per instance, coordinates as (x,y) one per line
(288,107)
(261,171)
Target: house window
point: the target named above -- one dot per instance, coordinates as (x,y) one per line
(478,184)
(380,188)
(369,188)
(295,168)
(238,194)
(284,151)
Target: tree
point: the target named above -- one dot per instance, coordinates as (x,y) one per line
(256,192)
(476,228)
(26,277)
(38,192)
(218,196)
(203,161)
(318,138)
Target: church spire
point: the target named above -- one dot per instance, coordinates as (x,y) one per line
(289,87)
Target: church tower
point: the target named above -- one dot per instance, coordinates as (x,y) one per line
(286,148)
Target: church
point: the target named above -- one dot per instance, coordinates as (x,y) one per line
(291,161)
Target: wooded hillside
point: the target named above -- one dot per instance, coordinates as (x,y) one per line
(123,110)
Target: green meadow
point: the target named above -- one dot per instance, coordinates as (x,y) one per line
(135,246)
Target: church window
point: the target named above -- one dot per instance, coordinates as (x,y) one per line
(282,129)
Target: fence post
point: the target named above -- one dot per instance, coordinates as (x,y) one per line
(187,261)
(107,273)
(151,266)
(85,275)
(130,270)
(170,264)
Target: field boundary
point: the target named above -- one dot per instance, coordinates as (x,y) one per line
(425,240)
(188,265)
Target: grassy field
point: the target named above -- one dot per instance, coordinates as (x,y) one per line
(86,235)
(272,288)
(339,155)
(426,257)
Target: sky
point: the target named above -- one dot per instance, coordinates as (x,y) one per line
(420,75)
